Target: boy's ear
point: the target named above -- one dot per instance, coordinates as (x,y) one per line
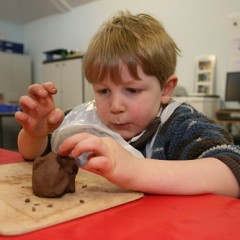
(168,89)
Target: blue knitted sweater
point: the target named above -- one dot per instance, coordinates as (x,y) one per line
(188,134)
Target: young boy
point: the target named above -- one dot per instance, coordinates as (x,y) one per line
(130,63)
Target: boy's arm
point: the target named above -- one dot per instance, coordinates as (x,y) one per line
(187,177)
(174,177)
(31,147)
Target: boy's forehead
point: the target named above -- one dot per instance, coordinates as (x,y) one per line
(117,72)
(125,74)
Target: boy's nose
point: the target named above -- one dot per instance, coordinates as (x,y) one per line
(117,104)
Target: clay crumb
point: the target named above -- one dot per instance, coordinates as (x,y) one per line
(81,201)
(27,200)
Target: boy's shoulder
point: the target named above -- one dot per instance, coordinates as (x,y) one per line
(180,109)
(189,109)
(185,118)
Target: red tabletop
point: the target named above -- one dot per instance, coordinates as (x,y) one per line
(151,217)
(7,156)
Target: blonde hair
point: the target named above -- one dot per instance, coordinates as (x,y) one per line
(133,40)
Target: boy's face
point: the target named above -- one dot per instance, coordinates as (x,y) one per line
(128,108)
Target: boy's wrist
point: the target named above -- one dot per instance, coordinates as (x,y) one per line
(31,147)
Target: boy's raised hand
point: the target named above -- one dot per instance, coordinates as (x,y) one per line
(39,116)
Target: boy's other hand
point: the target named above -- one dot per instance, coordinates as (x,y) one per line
(39,116)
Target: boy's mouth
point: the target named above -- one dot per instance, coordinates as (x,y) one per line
(120,126)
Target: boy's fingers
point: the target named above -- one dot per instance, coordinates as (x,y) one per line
(27,102)
(56,116)
(36,90)
(21,117)
(99,165)
(49,86)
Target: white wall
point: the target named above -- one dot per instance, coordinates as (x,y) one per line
(200,27)
(11,32)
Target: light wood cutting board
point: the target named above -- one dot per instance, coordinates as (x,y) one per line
(21,211)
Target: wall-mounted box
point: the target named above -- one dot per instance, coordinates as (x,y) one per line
(205,75)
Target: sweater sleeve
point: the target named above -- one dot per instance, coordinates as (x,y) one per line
(188,134)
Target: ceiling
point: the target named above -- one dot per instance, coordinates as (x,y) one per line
(25,11)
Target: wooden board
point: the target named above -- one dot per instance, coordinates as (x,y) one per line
(21,211)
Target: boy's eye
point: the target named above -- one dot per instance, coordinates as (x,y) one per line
(133,90)
(103,91)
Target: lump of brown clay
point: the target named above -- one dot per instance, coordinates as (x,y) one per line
(53,175)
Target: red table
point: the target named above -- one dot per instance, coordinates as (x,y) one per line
(207,217)
(7,156)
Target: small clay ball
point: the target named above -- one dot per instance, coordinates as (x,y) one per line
(53,175)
